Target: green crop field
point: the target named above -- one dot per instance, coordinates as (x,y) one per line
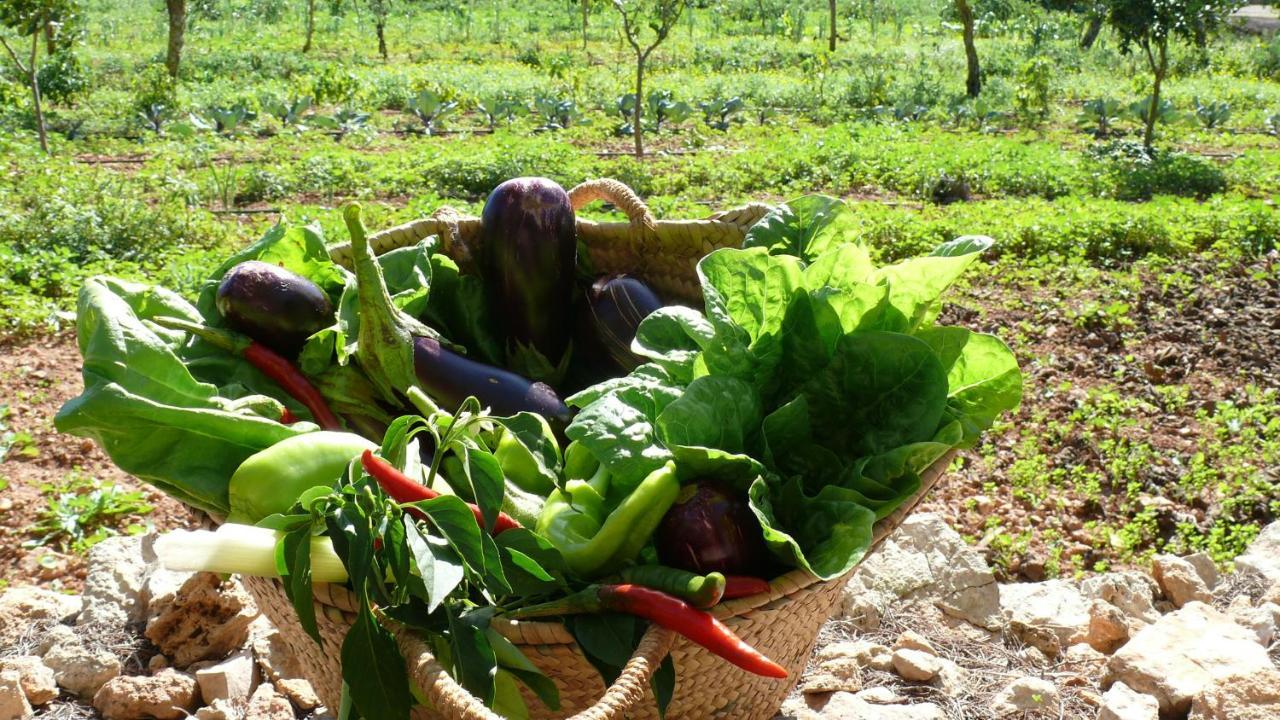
(1139,286)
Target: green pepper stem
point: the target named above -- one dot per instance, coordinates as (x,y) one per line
(582,602)
(227,340)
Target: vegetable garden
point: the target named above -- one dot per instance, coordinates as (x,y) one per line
(357,306)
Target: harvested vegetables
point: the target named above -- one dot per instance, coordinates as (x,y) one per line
(810,392)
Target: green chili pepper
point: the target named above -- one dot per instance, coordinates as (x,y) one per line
(596,539)
(700,591)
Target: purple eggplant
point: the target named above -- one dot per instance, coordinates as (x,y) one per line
(618,303)
(450,378)
(274,306)
(529,254)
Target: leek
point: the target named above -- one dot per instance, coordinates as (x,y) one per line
(242,549)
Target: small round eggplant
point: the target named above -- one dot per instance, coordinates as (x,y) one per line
(450,378)
(710,528)
(618,303)
(278,308)
(529,255)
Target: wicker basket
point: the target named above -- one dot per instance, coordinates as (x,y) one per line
(783,623)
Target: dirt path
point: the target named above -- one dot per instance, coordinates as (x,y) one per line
(36,378)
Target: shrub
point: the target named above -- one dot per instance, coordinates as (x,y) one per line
(1132,172)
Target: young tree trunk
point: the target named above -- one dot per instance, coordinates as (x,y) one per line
(50,41)
(34,78)
(177,32)
(586,12)
(311,25)
(639,109)
(973,81)
(831,39)
(1091,31)
(381,26)
(1159,66)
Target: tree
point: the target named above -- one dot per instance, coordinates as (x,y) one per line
(973,80)
(657,17)
(311,25)
(831,38)
(1149,25)
(177,10)
(31,18)
(380,8)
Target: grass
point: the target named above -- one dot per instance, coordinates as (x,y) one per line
(82,511)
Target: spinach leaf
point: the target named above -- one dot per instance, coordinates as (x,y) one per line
(826,534)
(805,227)
(881,390)
(716,412)
(983,379)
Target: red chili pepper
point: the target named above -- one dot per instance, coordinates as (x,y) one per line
(740,586)
(287,417)
(404,489)
(672,613)
(269,362)
(279,369)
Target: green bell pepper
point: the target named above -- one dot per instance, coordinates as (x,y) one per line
(594,538)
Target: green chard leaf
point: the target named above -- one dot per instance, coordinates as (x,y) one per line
(805,227)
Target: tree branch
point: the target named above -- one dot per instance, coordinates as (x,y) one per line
(14,55)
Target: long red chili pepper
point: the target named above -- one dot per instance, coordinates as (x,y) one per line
(672,613)
(268,361)
(740,586)
(283,372)
(404,489)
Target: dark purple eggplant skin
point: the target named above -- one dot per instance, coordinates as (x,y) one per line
(529,254)
(618,303)
(274,306)
(711,528)
(450,378)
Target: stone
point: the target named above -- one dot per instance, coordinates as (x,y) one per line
(280,666)
(13,703)
(1083,654)
(38,683)
(1260,620)
(1179,581)
(951,679)
(863,610)
(912,640)
(839,678)
(926,559)
(157,663)
(865,653)
(1263,555)
(267,704)
(1205,567)
(1108,627)
(205,620)
(113,582)
(220,710)
(232,679)
(1121,702)
(55,636)
(1026,694)
(1052,607)
(79,669)
(26,611)
(881,695)
(1184,652)
(299,692)
(160,584)
(915,665)
(1271,594)
(167,695)
(848,706)
(1132,592)
(1252,696)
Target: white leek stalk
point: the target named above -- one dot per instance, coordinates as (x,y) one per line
(243,549)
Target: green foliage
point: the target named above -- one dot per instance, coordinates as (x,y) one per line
(1138,173)
(1035,84)
(81,512)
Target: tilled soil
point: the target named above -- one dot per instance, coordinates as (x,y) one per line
(36,378)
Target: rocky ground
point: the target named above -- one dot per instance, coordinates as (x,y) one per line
(924,632)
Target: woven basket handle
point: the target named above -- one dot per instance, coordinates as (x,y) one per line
(453,702)
(616,192)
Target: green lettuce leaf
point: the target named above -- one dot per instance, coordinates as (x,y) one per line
(826,534)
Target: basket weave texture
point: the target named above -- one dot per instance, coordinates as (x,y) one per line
(783,623)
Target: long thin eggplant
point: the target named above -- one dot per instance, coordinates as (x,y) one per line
(450,378)
(528,258)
